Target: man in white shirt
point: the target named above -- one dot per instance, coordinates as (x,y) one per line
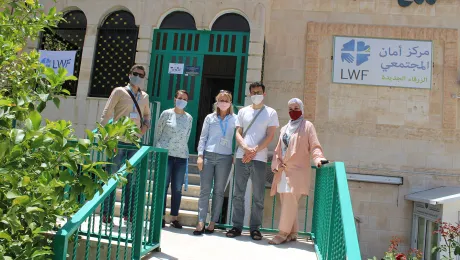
(253,137)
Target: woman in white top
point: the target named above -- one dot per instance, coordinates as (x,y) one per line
(215,159)
(173,132)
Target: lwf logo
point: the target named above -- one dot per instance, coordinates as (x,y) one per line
(55,64)
(356,53)
(406,3)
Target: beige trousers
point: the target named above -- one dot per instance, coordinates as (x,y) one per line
(289,213)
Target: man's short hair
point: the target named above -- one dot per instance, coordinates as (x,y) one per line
(256,85)
(139,67)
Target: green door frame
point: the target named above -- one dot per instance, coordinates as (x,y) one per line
(189,48)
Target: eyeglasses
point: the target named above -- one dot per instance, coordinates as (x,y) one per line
(138,74)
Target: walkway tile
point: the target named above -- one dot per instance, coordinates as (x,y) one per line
(181,244)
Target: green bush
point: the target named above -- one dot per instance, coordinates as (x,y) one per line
(44,168)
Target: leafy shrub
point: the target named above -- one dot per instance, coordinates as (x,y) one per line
(44,168)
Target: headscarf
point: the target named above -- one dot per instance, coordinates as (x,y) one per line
(293,125)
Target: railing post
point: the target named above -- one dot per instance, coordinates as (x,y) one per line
(160,191)
(139,218)
(60,247)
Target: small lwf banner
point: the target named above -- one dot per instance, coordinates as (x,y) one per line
(383,62)
(56,59)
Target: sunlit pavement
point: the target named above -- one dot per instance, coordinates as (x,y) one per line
(181,244)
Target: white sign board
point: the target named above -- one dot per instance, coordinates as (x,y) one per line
(176,68)
(382,62)
(56,59)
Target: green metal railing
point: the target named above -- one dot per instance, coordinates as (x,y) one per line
(135,226)
(332,223)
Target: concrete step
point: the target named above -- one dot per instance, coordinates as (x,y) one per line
(193,179)
(186,217)
(193,188)
(193,168)
(187,203)
(193,191)
(192,158)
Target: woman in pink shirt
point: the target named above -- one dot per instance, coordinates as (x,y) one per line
(291,164)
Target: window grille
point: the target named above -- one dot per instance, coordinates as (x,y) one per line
(115,53)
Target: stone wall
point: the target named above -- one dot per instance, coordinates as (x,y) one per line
(410,133)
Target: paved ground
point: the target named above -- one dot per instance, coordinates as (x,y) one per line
(181,244)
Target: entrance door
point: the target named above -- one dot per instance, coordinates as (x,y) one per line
(218,74)
(190,49)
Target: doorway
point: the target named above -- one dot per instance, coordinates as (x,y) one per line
(218,74)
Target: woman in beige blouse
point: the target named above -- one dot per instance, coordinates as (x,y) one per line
(291,164)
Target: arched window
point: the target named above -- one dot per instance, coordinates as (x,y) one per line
(178,20)
(231,22)
(69,35)
(115,53)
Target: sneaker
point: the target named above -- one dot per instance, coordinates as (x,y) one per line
(176,224)
(106,219)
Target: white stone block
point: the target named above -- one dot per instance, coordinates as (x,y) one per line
(255,62)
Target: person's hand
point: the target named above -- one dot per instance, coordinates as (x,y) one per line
(319,164)
(199,163)
(248,150)
(248,157)
(281,167)
(144,130)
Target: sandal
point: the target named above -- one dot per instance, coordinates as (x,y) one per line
(256,235)
(209,231)
(291,237)
(234,232)
(277,240)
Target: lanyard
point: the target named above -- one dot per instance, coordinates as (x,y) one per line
(138,97)
(222,128)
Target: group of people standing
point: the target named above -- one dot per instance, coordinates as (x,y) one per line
(254,129)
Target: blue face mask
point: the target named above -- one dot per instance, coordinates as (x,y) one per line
(136,81)
(181,104)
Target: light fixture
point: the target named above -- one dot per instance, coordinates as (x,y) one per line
(375,178)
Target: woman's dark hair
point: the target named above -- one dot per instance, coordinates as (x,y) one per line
(181,91)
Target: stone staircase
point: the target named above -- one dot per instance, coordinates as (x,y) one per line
(188,214)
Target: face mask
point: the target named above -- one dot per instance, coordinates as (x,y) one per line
(257,99)
(223,106)
(181,104)
(136,81)
(295,114)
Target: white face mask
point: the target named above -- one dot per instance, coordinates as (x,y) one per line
(181,104)
(257,99)
(136,81)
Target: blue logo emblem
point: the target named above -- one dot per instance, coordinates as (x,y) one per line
(46,61)
(358,51)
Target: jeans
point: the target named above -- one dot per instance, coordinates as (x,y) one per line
(175,176)
(255,170)
(119,160)
(216,168)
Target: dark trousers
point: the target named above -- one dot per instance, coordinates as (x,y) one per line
(129,189)
(175,177)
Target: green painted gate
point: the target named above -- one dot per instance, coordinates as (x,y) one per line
(189,47)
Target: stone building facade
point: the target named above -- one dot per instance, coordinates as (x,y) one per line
(410,133)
